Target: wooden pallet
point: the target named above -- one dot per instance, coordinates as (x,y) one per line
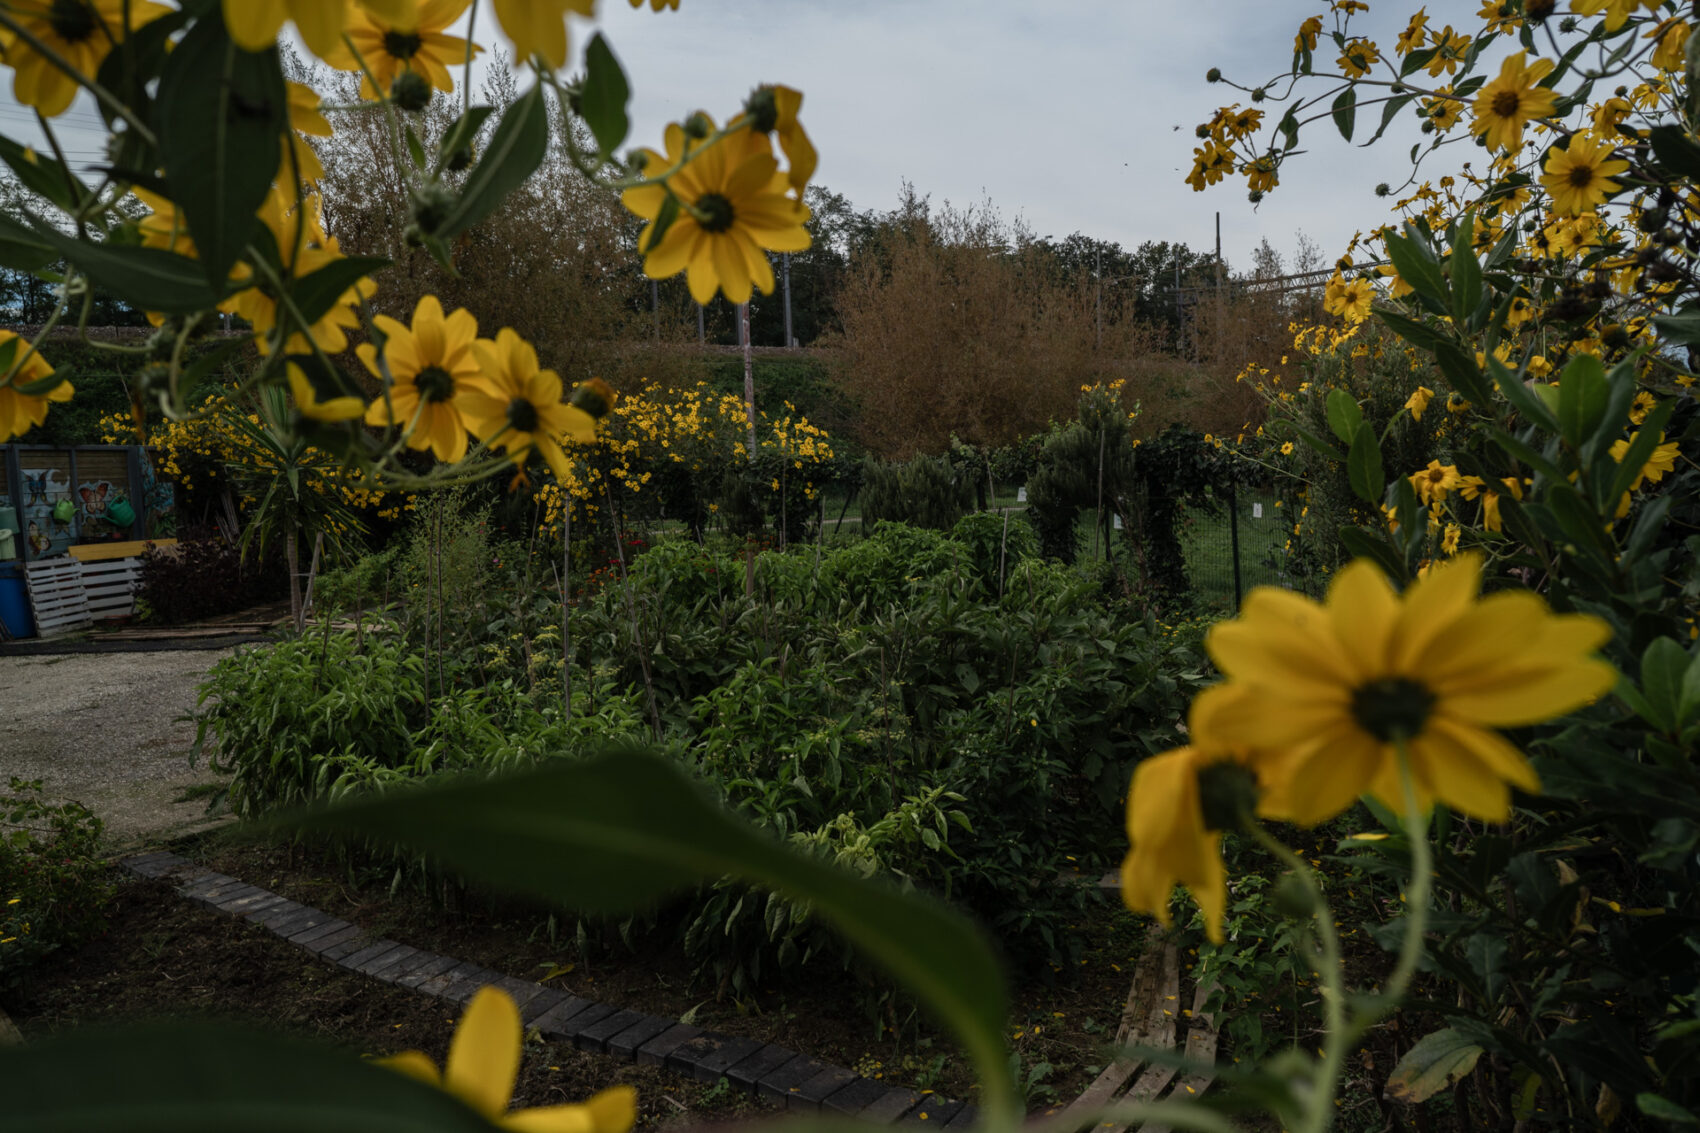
(1152,1018)
(110,587)
(57,599)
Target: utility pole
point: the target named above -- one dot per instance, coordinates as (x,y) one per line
(785,274)
(702,331)
(1098,300)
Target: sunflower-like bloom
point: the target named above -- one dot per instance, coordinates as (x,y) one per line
(773,109)
(303,248)
(1327,693)
(735,209)
(305,117)
(1672,52)
(254,24)
(1578,177)
(1418,401)
(483,1065)
(1350,300)
(1308,31)
(539,27)
(1616,11)
(514,405)
(431,366)
(19,411)
(657,5)
(1505,105)
(1433,482)
(416,44)
(81,32)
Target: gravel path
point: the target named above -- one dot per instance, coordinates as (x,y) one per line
(102,729)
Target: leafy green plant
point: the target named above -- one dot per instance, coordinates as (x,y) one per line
(54,881)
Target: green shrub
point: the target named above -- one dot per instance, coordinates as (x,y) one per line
(54,882)
(996,542)
(925,492)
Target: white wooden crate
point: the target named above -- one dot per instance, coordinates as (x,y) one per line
(56,594)
(110,587)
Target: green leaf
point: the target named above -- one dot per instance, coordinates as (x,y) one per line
(1522,398)
(415,149)
(1466,272)
(459,135)
(1411,330)
(207,1078)
(663,221)
(1345,111)
(618,833)
(21,249)
(1640,450)
(221,112)
(1363,465)
(1388,113)
(1416,264)
(1664,667)
(1682,328)
(1344,415)
(1416,60)
(515,151)
(1663,1109)
(1676,151)
(1289,128)
(602,101)
(1582,397)
(150,279)
(1366,544)
(317,293)
(44,175)
(1437,1061)
(1463,373)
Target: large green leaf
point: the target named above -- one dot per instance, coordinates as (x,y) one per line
(1582,398)
(188,1078)
(1344,415)
(317,293)
(23,249)
(603,99)
(620,832)
(1345,111)
(1418,266)
(1466,272)
(515,151)
(1363,465)
(44,175)
(220,113)
(1437,1061)
(150,279)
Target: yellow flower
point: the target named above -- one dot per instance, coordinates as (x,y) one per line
(1471,487)
(1435,481)
(1617,11)
(1306,39)
(81,32)
(483,1064)
(1287,448)
(1662,461)
(308,403)
(1351,301)
(1358,57)
(1449,48)
(305,117)
(1327,692)
(1449,541)
(20,411)
(254,24)
(1672,52)
(417,45)
(430,365)
(1412,37)
(657,5)
(1263,174)
(1503,106)
(516,406)
(539,27)
(733,206)
(1169,842)
(303,249)
(1579,176)
(1210,163)
(1418,402)
(773,109)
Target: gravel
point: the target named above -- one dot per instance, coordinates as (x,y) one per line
(103,729)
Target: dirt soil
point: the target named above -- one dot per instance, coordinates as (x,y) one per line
(163,956)
(102,729)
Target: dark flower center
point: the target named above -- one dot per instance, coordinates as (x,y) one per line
(1393,708)
(716,212)
(434,383)
(522,415)
(1582,176)
(1227,795)
(1506,103)
(71,20)
(401,45)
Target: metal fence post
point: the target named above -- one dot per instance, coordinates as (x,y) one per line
(1234,538)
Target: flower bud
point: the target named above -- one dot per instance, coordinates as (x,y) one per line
(411,91)
(1213,75)
(429,206)
(595,397)
(1258,94)
(696,127)
(763,110)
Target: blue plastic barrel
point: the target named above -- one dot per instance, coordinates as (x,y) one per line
(15,601)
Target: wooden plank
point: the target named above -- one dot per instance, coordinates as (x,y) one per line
(1157,1030)
(1147,981)
(1201,1042)
(97,552)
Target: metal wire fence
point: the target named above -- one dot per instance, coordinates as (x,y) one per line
(1239,544)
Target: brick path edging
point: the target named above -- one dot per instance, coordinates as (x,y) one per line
(774,1072)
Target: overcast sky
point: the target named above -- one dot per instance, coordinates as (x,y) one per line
(1074,116)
